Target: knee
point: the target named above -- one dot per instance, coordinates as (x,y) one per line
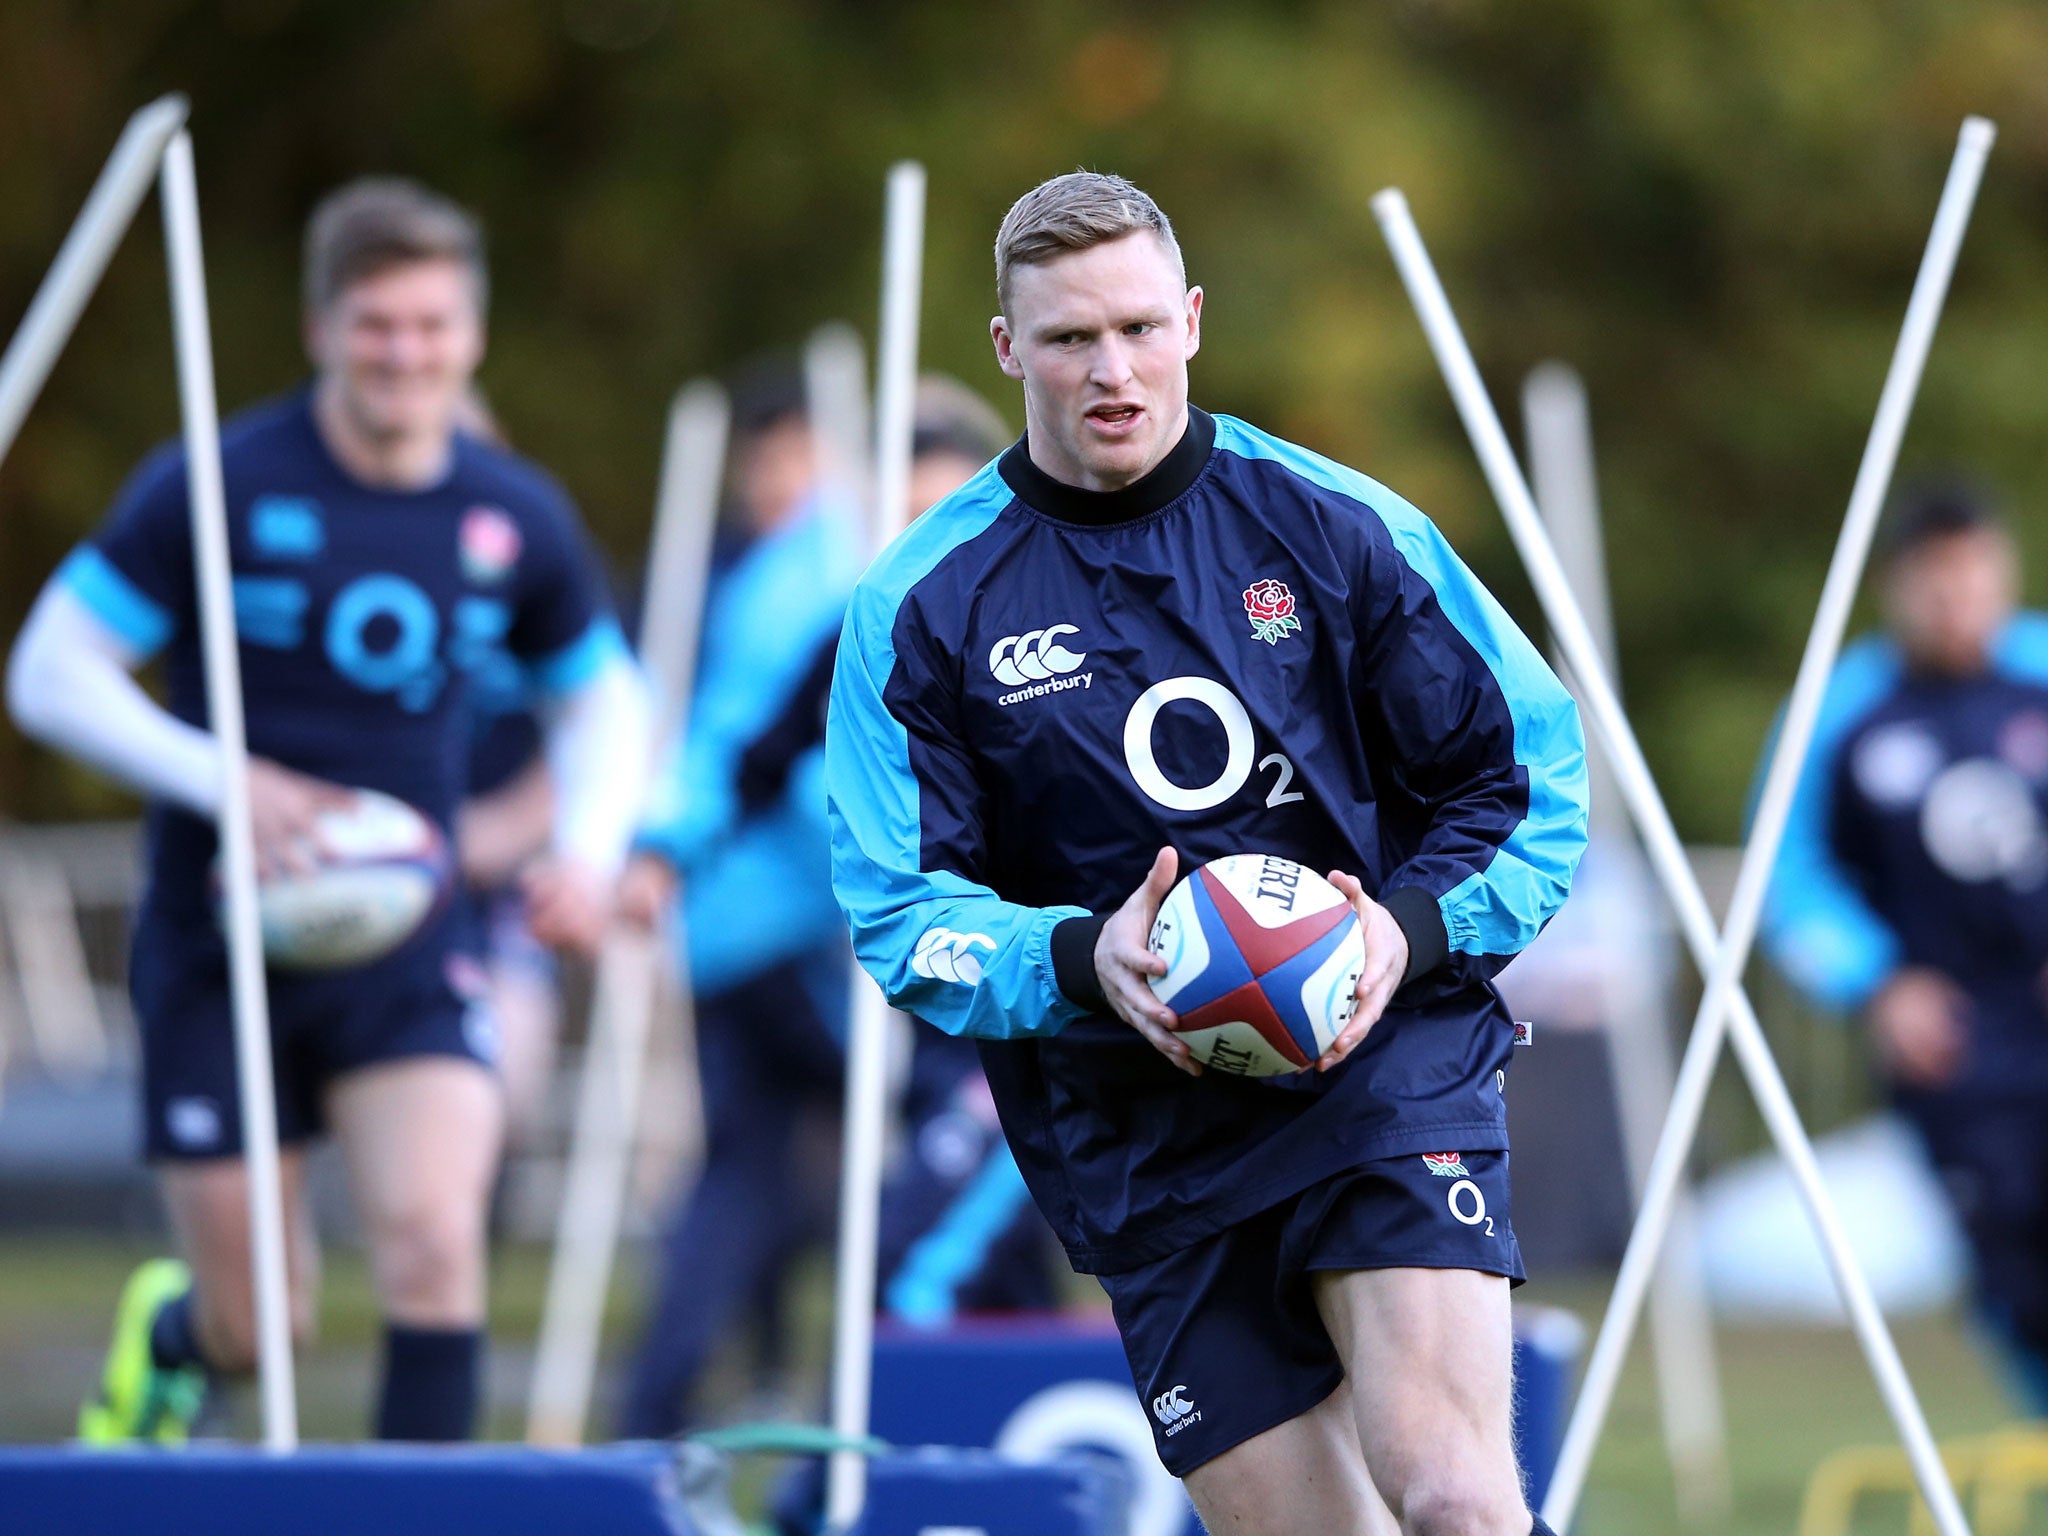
(430,1265)
(1463,1507)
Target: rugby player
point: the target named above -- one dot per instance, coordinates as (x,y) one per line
(1913,885)
(1315,1311)
(379,556)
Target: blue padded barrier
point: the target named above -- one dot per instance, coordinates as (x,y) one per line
(372,1490)
(977,1493)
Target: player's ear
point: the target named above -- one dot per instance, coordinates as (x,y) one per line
(1006,350)
(1194,322)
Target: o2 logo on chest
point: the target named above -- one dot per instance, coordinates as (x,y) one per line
(1236,721)
(383,633)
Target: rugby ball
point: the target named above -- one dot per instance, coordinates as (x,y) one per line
(1262,959)
(381,871)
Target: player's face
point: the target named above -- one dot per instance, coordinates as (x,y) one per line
(1949,597)
(397,348)
(777,468)
(1101,340)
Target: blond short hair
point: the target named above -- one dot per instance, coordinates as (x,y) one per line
(386,221)
(1072,213)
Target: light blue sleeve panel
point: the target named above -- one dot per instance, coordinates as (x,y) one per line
(1497,869)
(2021,650)
(925,1291)
(765,621)
(143,623)
(906,814)
(1816,924)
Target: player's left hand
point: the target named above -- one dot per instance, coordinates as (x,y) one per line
(568,904)
(1386,962)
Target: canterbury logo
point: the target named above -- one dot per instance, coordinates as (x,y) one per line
(1033,657)
(944,955)
(1169,1407)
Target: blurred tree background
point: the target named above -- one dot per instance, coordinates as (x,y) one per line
(1713,209)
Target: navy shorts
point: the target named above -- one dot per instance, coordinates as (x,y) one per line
(1223,1337)
(425,999)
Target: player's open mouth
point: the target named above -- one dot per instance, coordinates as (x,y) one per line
(1115,418)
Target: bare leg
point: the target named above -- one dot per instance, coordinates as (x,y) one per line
(1305,1475)
(421,1137)
(209,1208)
(1429,1357)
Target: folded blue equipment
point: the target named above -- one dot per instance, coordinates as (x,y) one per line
(371,1490)
(619,1490)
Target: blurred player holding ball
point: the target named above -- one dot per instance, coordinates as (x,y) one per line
(380,556)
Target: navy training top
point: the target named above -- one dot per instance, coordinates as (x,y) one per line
(361,612)
(1252,649)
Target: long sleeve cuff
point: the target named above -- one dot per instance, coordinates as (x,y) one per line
(1422,921)
(1073,960)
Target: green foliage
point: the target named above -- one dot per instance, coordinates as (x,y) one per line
(1713,209)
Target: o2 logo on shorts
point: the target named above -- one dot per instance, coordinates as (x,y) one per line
(1468,1205)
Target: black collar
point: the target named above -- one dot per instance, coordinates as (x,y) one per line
(1168,479)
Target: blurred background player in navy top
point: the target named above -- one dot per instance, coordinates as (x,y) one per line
(1913,886)
(958,1228)
(380,556)
(766,955)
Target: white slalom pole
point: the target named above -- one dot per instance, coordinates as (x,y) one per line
(860,1174)
(1562,467)
(1668,857)
(1788,761)
(629,967)
(836,397)
(83,258)
(238,851)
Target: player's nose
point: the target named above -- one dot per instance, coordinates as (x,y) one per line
(1112,363)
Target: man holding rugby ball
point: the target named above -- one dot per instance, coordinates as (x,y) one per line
(380,556)
(1143,639)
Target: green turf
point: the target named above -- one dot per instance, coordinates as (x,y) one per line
(1794,1394)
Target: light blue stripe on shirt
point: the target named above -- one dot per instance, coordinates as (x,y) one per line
(139,619)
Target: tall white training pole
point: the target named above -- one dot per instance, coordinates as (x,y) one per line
(629,967)
(1788,761)
(238,850)
(860,1173)
(1636,1001)
(1668,857)
(836,400)
(82,259)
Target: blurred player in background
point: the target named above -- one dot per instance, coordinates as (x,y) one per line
(767,958)
(1317,1328)
(958,1229)
(1913,886)
(380,554)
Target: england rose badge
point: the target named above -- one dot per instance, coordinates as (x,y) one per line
(1271,609)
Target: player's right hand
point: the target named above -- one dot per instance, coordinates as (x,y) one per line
(1919,1021)
(283,805)
(646,887)
(1122,962)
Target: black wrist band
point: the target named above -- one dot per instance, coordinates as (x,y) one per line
(1423,923)
(1073,960)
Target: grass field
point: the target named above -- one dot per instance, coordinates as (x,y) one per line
(1794,1394)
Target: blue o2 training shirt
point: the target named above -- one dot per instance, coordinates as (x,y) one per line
(1252,649)
(362,614)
